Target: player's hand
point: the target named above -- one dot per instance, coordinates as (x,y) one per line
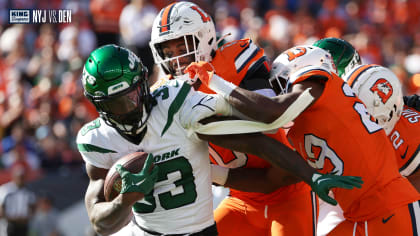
(142,182)
(412,101)
(322,183)
(203,70)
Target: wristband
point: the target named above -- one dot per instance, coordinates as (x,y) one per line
(221,86)
(219,174)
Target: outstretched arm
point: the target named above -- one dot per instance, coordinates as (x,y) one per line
(269,149)
(254,105)
(280,156)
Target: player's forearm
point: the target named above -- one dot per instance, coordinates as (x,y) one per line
(283,157)
(267,148)
(109,217)
(254,105)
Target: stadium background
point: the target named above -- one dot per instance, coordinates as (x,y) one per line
(41,98)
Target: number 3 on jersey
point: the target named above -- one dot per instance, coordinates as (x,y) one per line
(180,168)
(321,156)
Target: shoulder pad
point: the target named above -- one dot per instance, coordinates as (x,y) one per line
(94,145)
(307,72)
(243,55)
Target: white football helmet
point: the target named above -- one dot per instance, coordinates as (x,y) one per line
(295,59)
(380,90)
(183,19)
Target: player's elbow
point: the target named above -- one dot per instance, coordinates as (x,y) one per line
(103,229)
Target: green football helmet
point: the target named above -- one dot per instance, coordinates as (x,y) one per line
(344,54)
(115,81)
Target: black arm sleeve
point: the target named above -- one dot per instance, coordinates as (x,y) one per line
(257,77)
(412,101)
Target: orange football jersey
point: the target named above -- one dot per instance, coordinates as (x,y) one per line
(234,62)
(336,135)
(405,138)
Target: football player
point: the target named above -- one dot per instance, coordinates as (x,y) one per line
(175,197)
(380,90)
(346,58)
(183,33)
(334,132)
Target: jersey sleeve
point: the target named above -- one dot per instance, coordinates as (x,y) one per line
(242,60)
(93,149)
(199,105)
(406,140)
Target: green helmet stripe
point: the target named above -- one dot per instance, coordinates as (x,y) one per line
(176,105)
(85,147)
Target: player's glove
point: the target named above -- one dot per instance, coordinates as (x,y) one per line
(412,101)
(142,182)
(202,70)
(206,73)
(322,183)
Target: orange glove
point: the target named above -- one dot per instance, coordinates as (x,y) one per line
(202,69)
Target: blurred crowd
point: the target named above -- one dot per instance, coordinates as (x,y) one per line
(41,98)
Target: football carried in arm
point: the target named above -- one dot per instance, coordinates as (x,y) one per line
(133,162)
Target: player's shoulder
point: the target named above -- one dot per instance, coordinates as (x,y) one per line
(97,135)
(310,72)
(171,91)
(237,49)
(235,46)
(238,59)
(161,81)
(101,145)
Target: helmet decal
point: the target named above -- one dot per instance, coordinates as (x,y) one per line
(118,87)
(380,90)
(295,52)
(383,88)
(203,15)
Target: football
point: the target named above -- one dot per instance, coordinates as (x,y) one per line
(133,162)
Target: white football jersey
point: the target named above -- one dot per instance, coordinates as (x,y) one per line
(181,201)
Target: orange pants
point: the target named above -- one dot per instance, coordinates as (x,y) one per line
(404,221)
(294,216)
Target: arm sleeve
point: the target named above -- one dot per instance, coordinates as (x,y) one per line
(412,101)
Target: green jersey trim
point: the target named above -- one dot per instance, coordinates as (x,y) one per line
(84,147)
(176,105)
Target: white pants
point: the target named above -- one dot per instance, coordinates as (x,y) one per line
(329,217)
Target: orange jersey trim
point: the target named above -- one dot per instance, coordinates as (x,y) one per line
(304,75)
(236,60)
